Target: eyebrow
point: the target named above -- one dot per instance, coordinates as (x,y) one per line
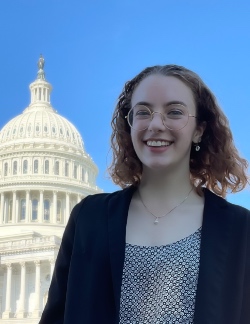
(173,102)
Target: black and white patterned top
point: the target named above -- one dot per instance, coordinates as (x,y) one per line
(159,282)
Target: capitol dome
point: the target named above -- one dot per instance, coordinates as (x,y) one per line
(44,172)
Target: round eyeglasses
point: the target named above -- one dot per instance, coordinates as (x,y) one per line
(175,117)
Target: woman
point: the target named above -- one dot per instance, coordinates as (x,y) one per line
(168,248)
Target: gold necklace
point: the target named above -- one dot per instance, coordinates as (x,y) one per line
(156,221)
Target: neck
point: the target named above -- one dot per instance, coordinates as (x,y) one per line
(165,185)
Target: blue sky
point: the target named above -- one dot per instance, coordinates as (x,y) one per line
(92,48)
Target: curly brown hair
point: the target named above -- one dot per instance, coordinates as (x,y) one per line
(217,165)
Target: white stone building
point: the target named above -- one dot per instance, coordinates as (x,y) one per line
(44,172)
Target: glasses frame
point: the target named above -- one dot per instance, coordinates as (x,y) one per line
(162,118)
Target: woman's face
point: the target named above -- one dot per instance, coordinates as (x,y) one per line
(158,147)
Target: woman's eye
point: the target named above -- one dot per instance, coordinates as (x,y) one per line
(175,113)
(143,113)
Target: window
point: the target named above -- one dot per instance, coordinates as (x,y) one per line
(23,209)
(59,211)
(75,171)
(15,167)
(34,209)
(82,174)
(25,167)
(36,166)
(57,168)
(46,215)
(5,169)
(46,167)
(66,169)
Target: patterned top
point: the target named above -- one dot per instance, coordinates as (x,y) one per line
(159,282)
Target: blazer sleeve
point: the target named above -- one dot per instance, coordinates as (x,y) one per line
(54,309)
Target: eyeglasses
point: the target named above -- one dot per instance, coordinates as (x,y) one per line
(175,117)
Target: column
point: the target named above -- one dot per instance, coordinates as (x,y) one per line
(17,208)
(5,209)
(1,208)
(52,266)
(6,313)
(67,207)
(14,207)
(54,206)
(36,312)
(27,206)
(78,198)
(21,310)
(40,214)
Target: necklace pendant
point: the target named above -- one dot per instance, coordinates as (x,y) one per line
(156,220)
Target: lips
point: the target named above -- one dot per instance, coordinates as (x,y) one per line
(158,143)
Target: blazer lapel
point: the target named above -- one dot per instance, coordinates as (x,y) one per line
(214,248)
(117,221)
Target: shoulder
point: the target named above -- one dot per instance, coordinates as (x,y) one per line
(99,202)
(235,210)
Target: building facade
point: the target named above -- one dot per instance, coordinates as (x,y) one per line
(44,172)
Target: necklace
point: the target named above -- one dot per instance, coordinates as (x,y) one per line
(156,221)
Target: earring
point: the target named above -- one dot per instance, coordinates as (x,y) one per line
(197,146)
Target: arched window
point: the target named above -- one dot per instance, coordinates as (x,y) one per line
(59,211)
(36,166)
(23,209)
(57,168)
(66,169)
(5,168)
(75,171)
(10,210)
(25,167)
(46,216)
(15,167)
(34,209)
(46,169)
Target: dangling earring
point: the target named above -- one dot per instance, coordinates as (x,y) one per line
(197,146)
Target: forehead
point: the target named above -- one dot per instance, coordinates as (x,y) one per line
(159,90)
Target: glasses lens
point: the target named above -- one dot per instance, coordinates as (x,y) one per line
(139,117)
(175,117)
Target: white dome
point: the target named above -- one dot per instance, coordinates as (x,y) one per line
(40,122)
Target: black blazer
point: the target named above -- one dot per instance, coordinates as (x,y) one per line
(86,283)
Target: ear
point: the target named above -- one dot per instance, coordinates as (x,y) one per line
(199,132)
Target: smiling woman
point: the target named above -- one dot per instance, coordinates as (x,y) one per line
(168,248)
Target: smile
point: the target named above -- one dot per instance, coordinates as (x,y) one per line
(158,143)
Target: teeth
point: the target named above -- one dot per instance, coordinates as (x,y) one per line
(158,143)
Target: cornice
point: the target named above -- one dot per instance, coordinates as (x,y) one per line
(44,243)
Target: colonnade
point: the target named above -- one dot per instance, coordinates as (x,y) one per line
(21,312)
(15,209)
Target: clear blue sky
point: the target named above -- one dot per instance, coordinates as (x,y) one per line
(92,47)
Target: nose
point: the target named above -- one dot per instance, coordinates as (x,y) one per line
(157,122)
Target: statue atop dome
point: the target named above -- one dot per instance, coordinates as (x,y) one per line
(40,64)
